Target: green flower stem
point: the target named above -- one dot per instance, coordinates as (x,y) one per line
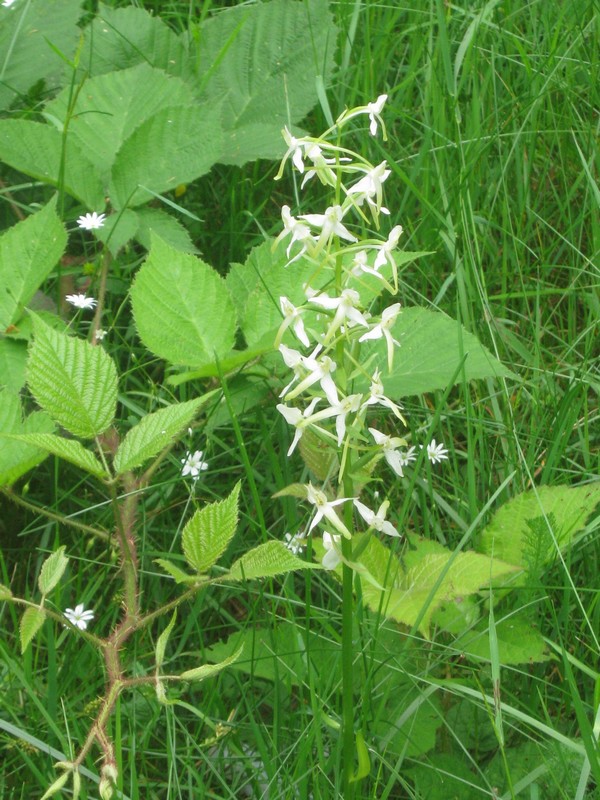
(347,675)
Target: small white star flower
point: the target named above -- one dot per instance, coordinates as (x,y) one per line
(436,452)
(294,542)
(90,222)
(193,464)
(332,555)
(79,617)
(81,301)
(100,334)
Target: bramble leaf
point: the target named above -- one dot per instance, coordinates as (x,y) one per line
(207,670)
(69,449)
(31,622)
(52,570)
(153,433)
(209,531)
(75,382)
(265,561)
(197,316)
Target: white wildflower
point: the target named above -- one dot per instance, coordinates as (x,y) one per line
(377,520)
(390,445)
(292,316)
(79,617)
(370,188)
(345,310)
(330,224)
(89,222)
(436,452)
(193,464)
(297,230)
(302,419)
(383,328)
(377,396)
(325,509)
(294,543)
(81,301)
(332,555)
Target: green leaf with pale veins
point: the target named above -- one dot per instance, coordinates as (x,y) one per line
(209,531)
(75,382)
(197,316)
(175,145)
(518,642)
(508,533)
(178,575)
(35,38)
(29,251)
(31,622)
(207,670)
(118,38)
(35,149)
(261,64)
(13,357)
(265,561)
(153,433)
(68,449)
(112,106)
(52,570)
(432,347)
(17,458)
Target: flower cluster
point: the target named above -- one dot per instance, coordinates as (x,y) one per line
(331,391)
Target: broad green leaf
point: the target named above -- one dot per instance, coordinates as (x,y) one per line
(207,670)
(170,230)
(75,382)
(69,449)
(262,63)
(197,316)
(153,433)
(508,533)
(265,561)
(518,642)
(13,357)
(446,776)
(5,592)
(118,229)
(31,622)
(28,253)
(118,38)
(32,35)
(17,458)
(432,347)
(112,106)
(175,145)
(35,149)
(178,575)
(209,531)
(52,570)
(401,588)
(161,643)
(257,285)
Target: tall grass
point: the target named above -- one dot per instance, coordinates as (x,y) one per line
(492,139)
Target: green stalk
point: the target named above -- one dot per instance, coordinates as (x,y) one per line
(347,675)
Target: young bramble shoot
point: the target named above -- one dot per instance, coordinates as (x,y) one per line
(90,222)
(79,617)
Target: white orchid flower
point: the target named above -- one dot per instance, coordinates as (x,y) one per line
(383,328)
(390,446)
(332,555)
(325,509)
(377,520)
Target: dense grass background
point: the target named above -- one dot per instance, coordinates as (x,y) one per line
(492,125)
